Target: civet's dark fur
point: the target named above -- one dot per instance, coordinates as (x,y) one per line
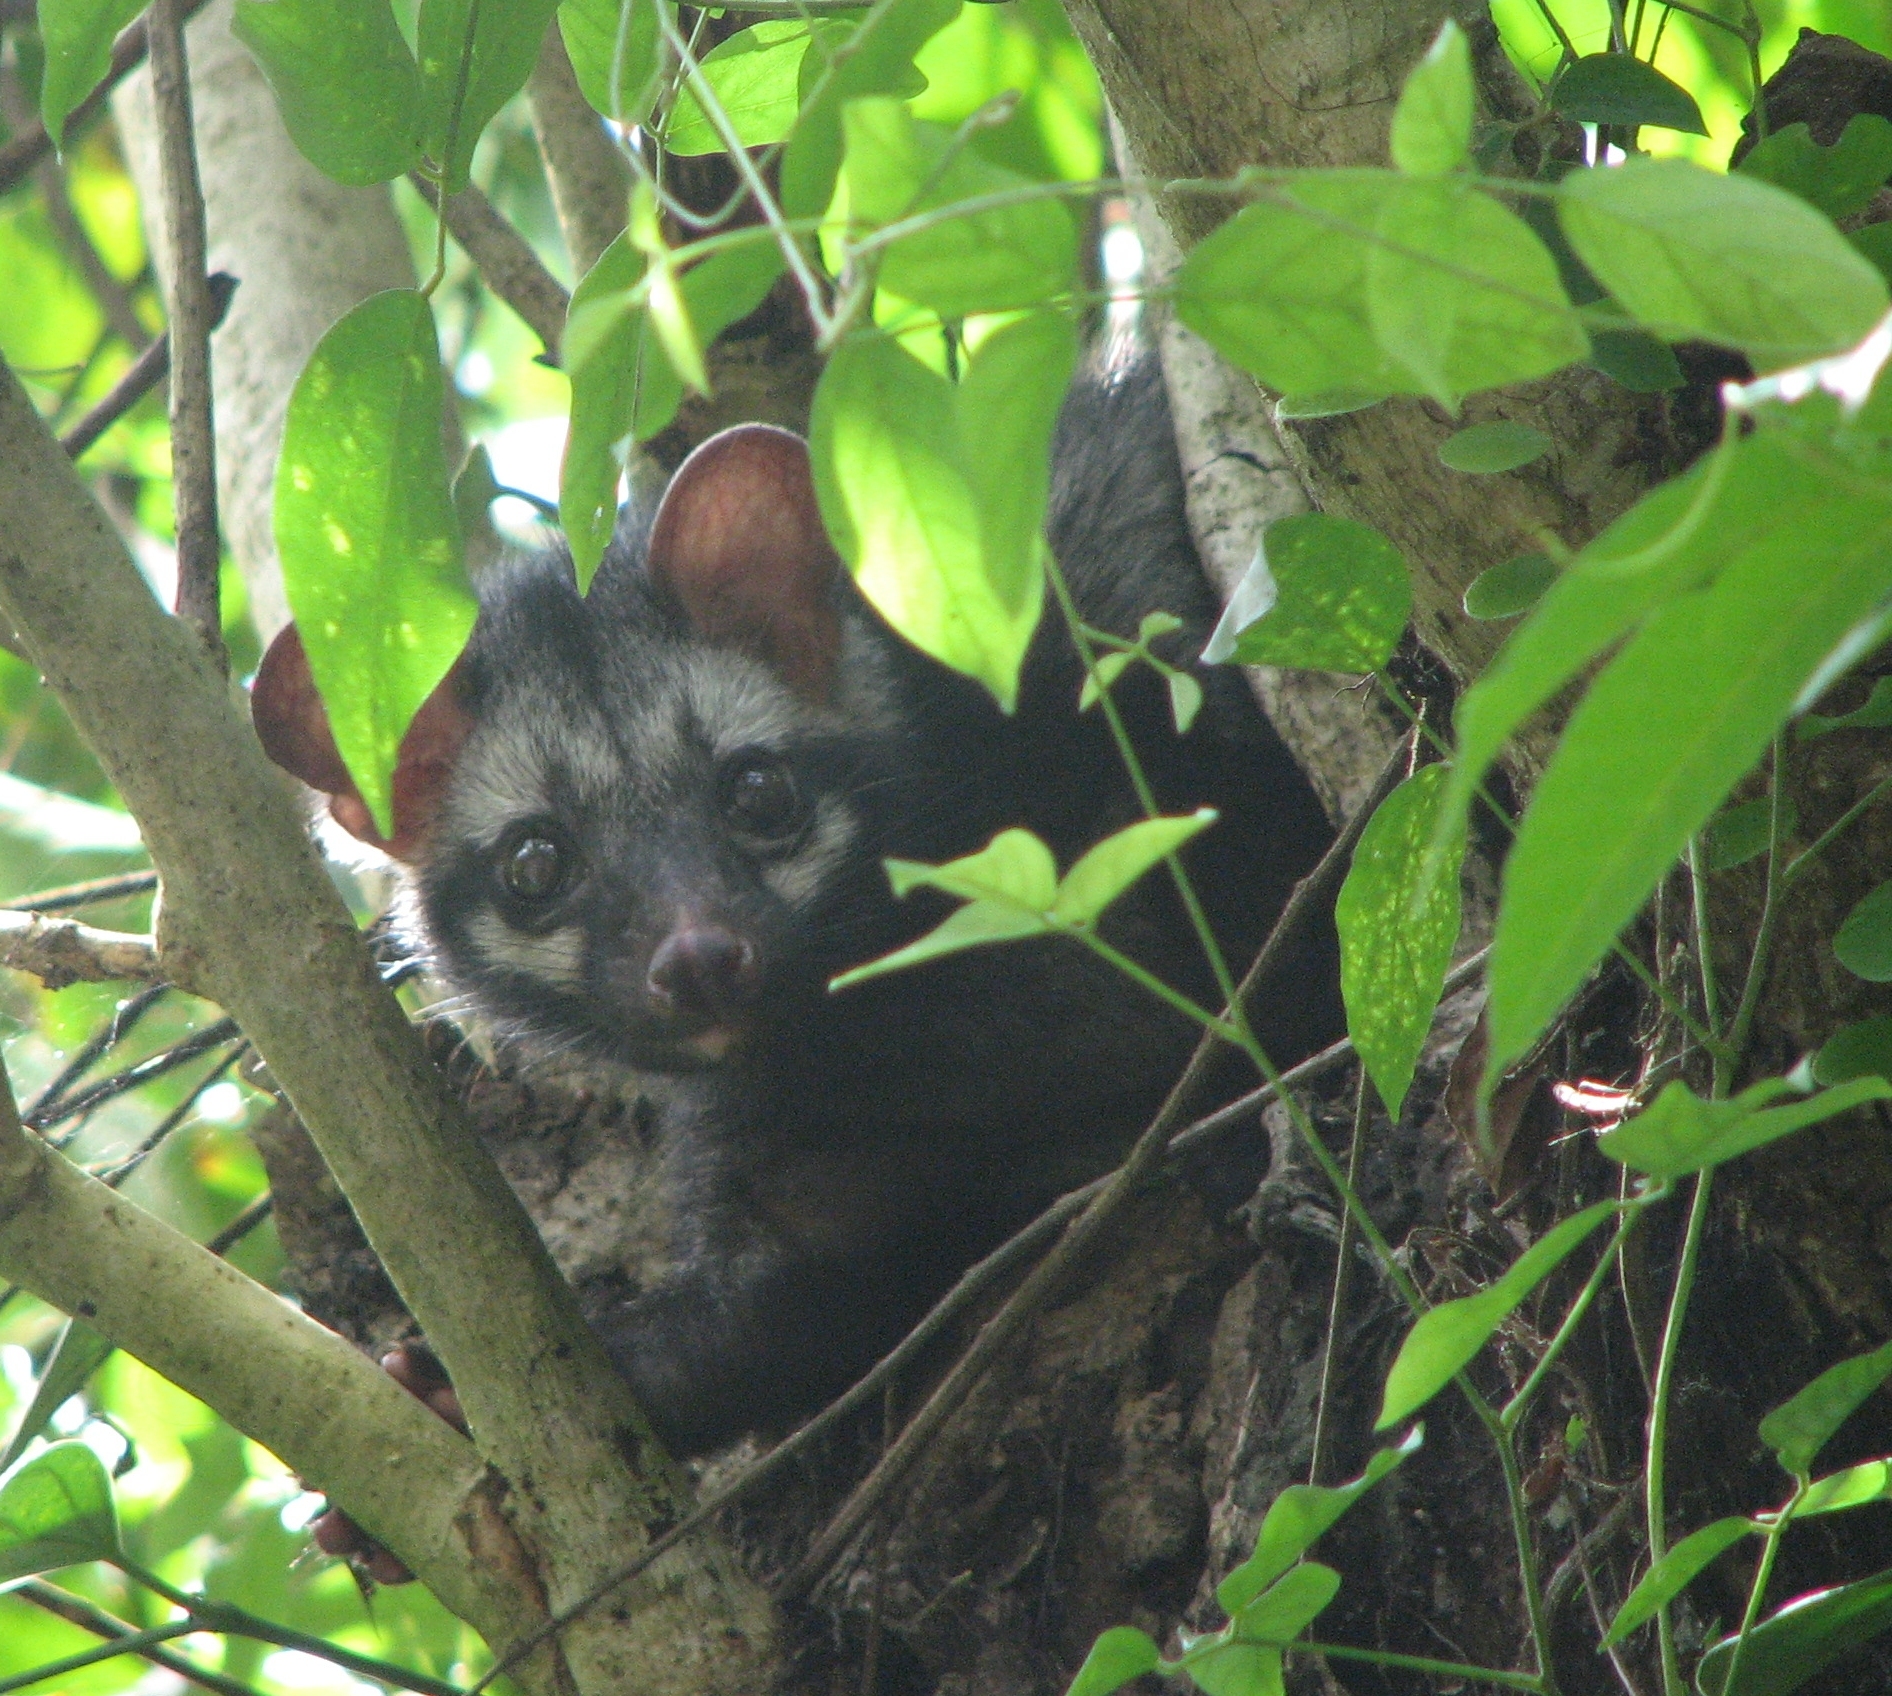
(834,1164)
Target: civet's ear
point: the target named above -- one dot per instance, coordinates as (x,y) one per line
(738,540)
(293,726)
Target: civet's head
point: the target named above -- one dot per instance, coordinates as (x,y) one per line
(632,823)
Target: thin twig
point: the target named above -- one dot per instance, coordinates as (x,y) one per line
(113,296)
(505,262)
(122,1083)
(93,890)
(191,314)
(75,1610)
(146,372)
(1312,894)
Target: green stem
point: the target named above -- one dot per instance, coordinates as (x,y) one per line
(1420,1663)
(1763,932)
(1654,1481)
(1557,29)
(1798,866)
(103,1652)
(1155,985)
(1763,1571)
(1704,940)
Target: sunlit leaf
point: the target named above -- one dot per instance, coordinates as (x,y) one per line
(1639,361)
(345,84)
(755,76)
(1803,1424)
(1840,180)
(1282,1612)
(1296,1520)
(1397,931)
(1107,870)
(1499,445)
(1432,124)
(1679,1133)
(1727,258)
(1014,867)
(1341,597)
(612,45)
(1800,1638)
(504,47)
(366,531)
(1224,1666)
(75,1356)
(76,36)
(1614,88)
(56,1510)
(1445,1340)
(1671,1575)
(1853,1487)
(1119,1655)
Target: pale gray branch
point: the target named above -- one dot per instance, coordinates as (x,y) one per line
(589,179)
(506,263)
(63,951)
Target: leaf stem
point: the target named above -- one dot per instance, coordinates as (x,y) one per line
(1801,863)
(109,1650)
(1420,1663)
(1763,1571)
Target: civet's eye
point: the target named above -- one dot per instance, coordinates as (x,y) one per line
(536,866)
(759,796)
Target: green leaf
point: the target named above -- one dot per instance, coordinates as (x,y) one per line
(76,1355)
(1874,713)
(1397,930)
(1341,599)
(934,493)
(1874,245)
(1853,1487)
(1222,1666)
(1119,1655)
(1432,124)
(1857,1051)
(875,57)
(1690,253)
(1664,750)
(76,36)
(1108,869)
(1637,360)
(1743,833)
(1462,295)
(612,45)
(1282,1612)
(972,926)
(1679,1133)
(1330,403)
(1801,1638)
(1015,868)
(1864,939)
(56,1510)
(1497,446)
(505,45)
(1613,88)
(1296,1520)
(1840,180)
(623,384)
(990,261)
(756,77)
(366,531)
(1444,1341)
(1803,1424)
(1676,1570)
(1509,589)
(345,84)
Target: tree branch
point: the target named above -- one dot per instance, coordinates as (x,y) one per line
(251,916)
(590,182)
(192,312)
(64,951)
(75,1610)
(507,264)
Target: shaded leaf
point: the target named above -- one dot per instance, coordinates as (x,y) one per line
(1840,180)
(1613,88)
(1445,1340)
(1802,1425)
(1330,403)
(366,531)
(76,1355)
(1432,124)
(1637,360)
(56,1510)
(1874,713)
(613,49)
(1727,258)
(1863,941)
(1667,1579)
(345,84)
(1283,1611)
(505,45)
(1857,1051)
(1341,598)
(1295,1521)
(1511,588)
(1499,445)
(1679,1133)
(1742,833)
(1397,931)
(1800,1638)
